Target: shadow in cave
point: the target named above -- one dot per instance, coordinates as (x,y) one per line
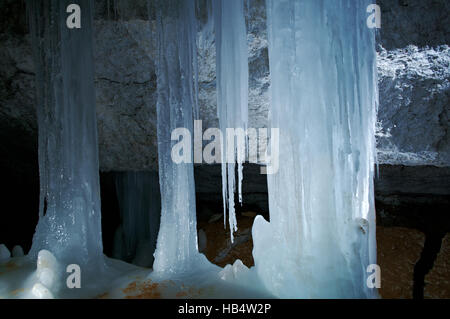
(431,248)
(426,213)
(19,195)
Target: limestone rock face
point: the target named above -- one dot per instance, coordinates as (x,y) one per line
(414,114)
(125,84)
(417,22)
(414,82)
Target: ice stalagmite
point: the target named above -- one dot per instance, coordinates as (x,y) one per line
(140,208)
(232,95)
(321,235)
(69,218)
(176,42)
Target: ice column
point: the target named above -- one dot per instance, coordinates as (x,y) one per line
(321,235)
(232,95)
(69,215)
(140,209)
(176,42)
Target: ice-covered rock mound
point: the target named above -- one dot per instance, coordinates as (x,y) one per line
(4,253)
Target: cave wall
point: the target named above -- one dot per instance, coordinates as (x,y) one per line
(412,133)
(413,69)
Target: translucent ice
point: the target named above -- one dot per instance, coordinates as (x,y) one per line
(232,95)
(48,275)
(234,272)
(47,268)
(69,216)
(39,291)
(177,249)
(321,235)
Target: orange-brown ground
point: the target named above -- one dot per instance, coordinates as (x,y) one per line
(398,251)
(148,289)
(142,290)
(218,240)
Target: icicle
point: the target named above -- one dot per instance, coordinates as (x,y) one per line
(232,95)
(321,235)
(69,224)
(140,209)
(176,36)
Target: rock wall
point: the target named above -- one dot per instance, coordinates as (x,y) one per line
(413,77)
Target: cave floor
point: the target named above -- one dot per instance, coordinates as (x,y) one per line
(125,281)
(398,249)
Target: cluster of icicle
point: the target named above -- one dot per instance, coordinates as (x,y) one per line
(321,235)
(232,96)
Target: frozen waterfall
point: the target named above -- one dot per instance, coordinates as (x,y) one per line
(321,235)
(69,217)
(176,42)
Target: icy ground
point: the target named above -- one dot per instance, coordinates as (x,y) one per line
(23,277)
